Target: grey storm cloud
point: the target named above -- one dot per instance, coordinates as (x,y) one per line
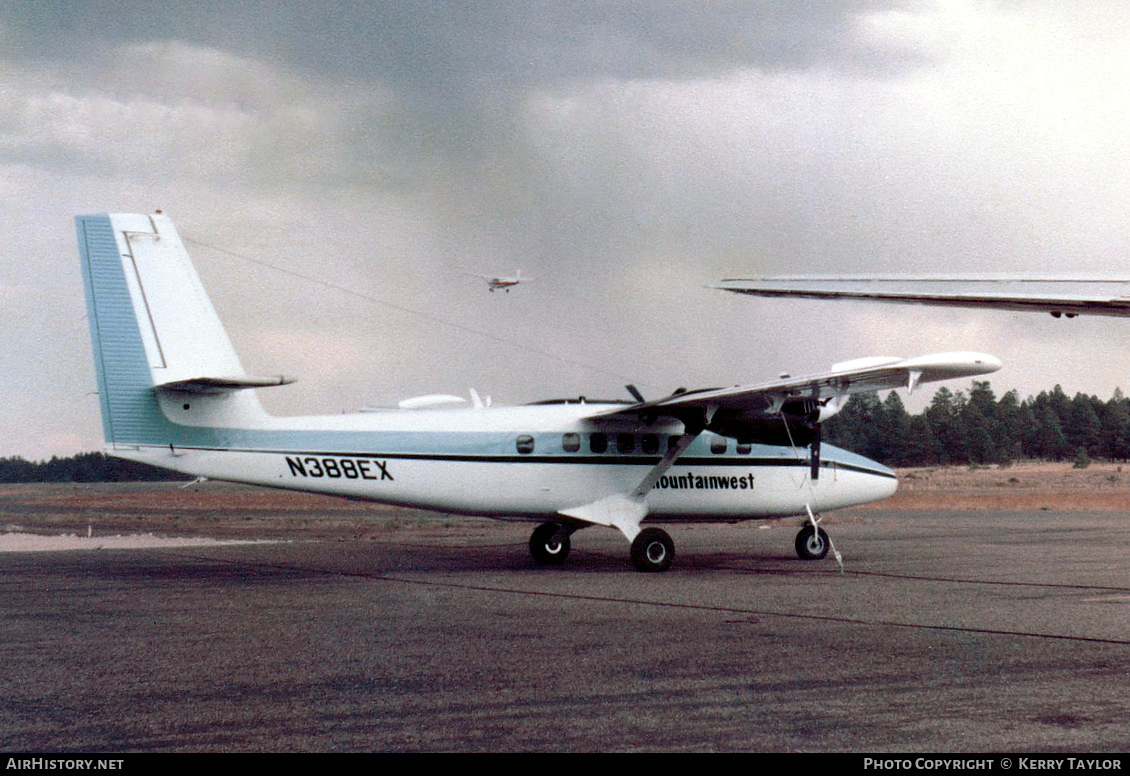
(459,67)
(437,47)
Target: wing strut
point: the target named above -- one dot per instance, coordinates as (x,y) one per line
(625,511)
(665,463)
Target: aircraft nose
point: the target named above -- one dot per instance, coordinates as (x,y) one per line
(858,481)
(877,484)
(886,486)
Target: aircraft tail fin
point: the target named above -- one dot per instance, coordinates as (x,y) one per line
(167,372)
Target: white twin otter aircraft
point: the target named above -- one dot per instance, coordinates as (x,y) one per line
(173,394)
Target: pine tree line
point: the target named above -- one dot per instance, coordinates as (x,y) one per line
(84,467)
(978,428)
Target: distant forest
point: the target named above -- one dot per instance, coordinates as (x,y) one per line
(978,428)
(971,427)
(85,467)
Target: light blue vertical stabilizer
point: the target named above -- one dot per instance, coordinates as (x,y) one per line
(167,372)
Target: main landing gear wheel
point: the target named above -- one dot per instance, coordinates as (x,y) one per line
(812,543)
(652,550)
(549,545)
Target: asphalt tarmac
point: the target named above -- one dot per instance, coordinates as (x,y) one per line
(945,632)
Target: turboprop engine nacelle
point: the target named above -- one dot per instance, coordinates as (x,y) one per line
(792,422)
(831,407)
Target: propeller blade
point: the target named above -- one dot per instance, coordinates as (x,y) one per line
(814,454)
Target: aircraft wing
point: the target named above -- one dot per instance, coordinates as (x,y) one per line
(740,411)
(1068,297)
(859,376)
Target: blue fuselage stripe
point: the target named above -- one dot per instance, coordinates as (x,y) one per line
(566,459)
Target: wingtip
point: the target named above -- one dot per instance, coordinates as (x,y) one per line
(965,362)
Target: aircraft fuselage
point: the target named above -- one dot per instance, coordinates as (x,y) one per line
(516,462)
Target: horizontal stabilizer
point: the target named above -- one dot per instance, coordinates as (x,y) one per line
(1070,297)
(208,385)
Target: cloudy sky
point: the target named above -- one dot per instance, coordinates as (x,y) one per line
(338,167)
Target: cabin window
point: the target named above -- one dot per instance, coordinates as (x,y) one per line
(598,443)
(650,443)
(626,443)
(718,445)
(571,443)
(525,444)
(744,448)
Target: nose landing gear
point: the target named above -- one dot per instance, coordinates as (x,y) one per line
(812,543)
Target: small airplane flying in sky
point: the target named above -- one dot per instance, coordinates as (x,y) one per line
(505,282)
(173,394)
(1062,298)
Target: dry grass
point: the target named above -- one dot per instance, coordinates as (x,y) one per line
(1058,486)
(213,509)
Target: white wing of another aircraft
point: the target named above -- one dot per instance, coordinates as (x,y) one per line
(1069,297)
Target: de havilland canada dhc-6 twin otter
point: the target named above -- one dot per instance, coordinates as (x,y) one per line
(173,394)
